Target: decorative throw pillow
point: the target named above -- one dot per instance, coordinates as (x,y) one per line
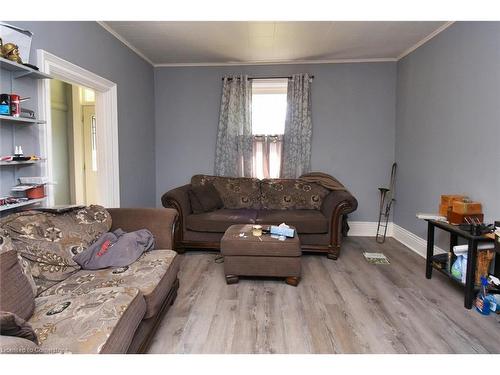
(292,194)
(235,192)
(48,241)
(204,198)
(13,325)
(16,293)
(196,206)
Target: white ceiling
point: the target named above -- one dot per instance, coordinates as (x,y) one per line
(219,43)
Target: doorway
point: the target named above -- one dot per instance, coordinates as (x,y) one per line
(103,122)
(74,144)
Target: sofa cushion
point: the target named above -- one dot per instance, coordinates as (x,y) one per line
(235,193)
(204,198)
(305,221)
(291,194)
(16,293)
(153,274)
(48,241)
(13,325)
(218,221)
(99,321)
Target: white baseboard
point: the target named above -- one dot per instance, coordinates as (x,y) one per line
(412,241)
(407,238)
(366,229)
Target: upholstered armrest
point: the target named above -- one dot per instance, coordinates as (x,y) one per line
(338,203)
(335,206)
(160,221)
(178,198)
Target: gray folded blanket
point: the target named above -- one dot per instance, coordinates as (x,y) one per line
(115,249)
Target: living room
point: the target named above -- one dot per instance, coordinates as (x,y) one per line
(300,185)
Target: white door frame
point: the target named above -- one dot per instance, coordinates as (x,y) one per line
(106,117)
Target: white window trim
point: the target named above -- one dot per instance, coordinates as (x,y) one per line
(107,120)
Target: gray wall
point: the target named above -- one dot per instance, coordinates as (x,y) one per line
(353,123)
(90,46)
(448,121)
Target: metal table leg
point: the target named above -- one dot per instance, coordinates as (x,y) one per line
(471,271)
(430,250)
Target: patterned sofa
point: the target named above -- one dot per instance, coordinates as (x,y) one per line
(114,310)
(319,214)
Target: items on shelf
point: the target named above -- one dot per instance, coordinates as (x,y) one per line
(4,201)
(460,209)
(19,156)
(10,51)
(18,151)
(27,113)
(15,106)
(15,43)
(33,187)
(483,261)
(10,105)
(5,104)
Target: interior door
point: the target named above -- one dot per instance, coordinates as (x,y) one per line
(90,151)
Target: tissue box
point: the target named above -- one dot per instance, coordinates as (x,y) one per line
(282,231)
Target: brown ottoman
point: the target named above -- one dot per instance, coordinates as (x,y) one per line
(259,256)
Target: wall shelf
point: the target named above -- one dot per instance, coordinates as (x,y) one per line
(7,207)
(20,71)
(14,163)
(21,120)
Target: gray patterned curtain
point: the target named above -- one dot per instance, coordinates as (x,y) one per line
(233,153)
(296,157)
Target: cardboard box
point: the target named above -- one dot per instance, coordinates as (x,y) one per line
(456,218)
(467,208)
(444,210)
(450,198)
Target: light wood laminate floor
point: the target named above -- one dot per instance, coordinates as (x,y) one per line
(343,306)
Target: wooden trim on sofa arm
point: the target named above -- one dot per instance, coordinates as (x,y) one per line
(338,213)
(179,227)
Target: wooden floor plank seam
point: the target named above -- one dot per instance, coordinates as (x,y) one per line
(343,306)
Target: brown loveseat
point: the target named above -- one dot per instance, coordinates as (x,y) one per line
(318,213)
(113,310)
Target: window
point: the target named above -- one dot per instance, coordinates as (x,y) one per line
(268,125)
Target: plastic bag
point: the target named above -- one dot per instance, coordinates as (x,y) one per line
(456,268)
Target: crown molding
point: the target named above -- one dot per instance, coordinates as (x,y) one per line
(124,41)
(278,62)
(426,39)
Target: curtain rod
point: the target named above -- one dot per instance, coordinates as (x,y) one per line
(280,77)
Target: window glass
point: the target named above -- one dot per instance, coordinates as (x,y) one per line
(268,106)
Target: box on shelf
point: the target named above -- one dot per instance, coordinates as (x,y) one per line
(467,208)
(446,205)
(448,199)
(444,210)
(456,218)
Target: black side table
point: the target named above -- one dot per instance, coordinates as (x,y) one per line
(472,241)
